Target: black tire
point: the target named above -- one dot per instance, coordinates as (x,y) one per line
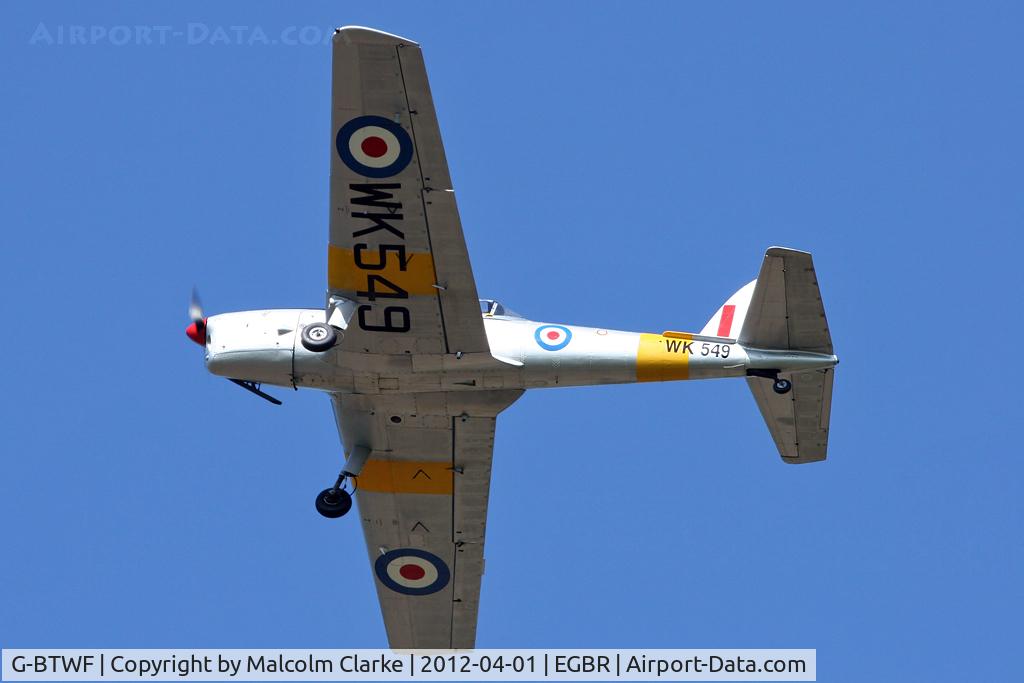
(333,503)
(782,386)
(319,337)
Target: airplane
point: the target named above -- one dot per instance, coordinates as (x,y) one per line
(418,367)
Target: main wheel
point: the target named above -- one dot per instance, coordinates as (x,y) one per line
(333,503)
(319,337)
(782,386)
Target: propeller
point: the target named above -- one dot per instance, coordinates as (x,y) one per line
(196,331)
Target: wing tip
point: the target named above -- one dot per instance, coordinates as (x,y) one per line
(364,34)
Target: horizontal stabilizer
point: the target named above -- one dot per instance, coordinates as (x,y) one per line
(798,420)
(785,311)
(786,314)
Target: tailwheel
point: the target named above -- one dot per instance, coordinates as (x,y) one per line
(782,386)
(333,502)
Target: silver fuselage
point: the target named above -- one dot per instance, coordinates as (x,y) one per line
(264,346)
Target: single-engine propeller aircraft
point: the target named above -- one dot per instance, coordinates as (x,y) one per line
(418,368)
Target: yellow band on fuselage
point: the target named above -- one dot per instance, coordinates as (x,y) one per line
(661,359)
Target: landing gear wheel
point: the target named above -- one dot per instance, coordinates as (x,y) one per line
(333,503)
(319,337)
(782,386)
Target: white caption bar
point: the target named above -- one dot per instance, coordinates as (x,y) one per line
(399,665)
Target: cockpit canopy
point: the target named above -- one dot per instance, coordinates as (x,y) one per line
(495,309)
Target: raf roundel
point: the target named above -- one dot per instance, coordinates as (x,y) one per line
(374,146)
(412,571)
(552,337)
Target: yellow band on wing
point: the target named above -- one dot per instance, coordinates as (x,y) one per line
(402,476)
(661,358)
(345,274)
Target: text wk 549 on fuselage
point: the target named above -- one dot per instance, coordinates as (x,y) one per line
(418,367)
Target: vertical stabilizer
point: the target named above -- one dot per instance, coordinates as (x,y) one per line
(728,320)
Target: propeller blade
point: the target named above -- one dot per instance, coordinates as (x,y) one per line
(195,307)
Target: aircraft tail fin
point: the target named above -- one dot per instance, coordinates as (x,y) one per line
(728,319)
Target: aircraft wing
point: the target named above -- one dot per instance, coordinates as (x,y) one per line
(397,259)
(422,497)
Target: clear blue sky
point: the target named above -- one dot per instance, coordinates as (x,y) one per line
(620,165)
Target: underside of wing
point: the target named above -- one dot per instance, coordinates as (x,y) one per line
(422,498)
(398,269)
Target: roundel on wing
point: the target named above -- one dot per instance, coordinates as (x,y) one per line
(552,337)
(374,146)
(412,571)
